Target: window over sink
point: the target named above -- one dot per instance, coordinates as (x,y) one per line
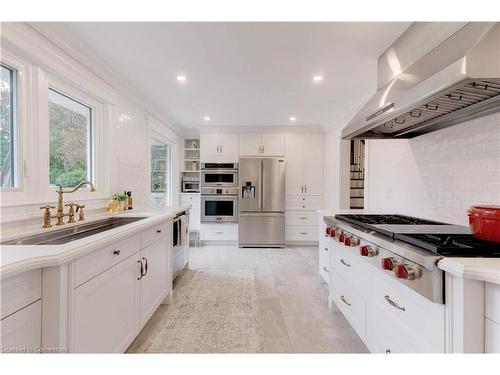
(8,147)
(70,140)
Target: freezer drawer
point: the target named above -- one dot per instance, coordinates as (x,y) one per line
(262,230)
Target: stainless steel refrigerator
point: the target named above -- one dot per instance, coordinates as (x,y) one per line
(261,218)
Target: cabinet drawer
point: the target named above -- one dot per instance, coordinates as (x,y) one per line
(491,336)
(219,232)
(98,261)
(295,233)
(19,291)
(416,313)
(155,233)
(190,200)
(350,303)
(324,265)
(492,302)
(385,335)
(301,218)
(304,202)
(23,330)
(194,219)
(353,270)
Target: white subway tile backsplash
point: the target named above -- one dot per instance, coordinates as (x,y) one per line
(439,174)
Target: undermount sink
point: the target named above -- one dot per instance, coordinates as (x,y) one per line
(73,233)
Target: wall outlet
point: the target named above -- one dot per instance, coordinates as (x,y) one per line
(388,194)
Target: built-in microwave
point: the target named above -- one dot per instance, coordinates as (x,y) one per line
(219,174)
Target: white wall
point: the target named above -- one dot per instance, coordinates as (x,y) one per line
(437,175)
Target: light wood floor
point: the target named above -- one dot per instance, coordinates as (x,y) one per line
(292,304)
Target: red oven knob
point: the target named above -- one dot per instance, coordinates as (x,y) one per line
(404,271)
(367,251)
(347,241)
(328,230)
(387,263)
(341,237)
(332,232)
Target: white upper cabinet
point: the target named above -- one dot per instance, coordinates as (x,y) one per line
(304,158)
(257,144)
(218,144)
(313,164)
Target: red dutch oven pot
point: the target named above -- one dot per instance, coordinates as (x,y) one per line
(485,222)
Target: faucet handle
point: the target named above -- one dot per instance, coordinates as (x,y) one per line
(47,207)
(70,205)
(80,207)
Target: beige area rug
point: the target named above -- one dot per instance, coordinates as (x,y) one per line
(215,313)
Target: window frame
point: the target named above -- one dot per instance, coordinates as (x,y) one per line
(90,137)
(161,138)
(99,159)
(14,127)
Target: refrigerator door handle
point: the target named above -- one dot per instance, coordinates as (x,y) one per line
(262,200)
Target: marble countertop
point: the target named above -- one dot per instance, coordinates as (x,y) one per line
(15,259)
(484,269)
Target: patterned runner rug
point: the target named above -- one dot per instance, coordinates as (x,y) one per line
(215,313)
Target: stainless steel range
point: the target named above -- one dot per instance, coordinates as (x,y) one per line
(408,248)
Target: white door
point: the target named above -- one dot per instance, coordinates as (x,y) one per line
(313,164)
(228,144)
(157,281)
(106,310)
(209,144)
(250,144)
(294,163)
(274,144)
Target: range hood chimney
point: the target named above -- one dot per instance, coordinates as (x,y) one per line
(456,80)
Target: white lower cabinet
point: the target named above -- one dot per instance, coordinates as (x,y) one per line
(110,309)
(324,244)
(21,332)
(219,232)
(388,317)
(158,274)
(491,336)
(107,308)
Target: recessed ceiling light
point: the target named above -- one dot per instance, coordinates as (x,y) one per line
(292,118)
(181,78)
(317,78)
(206,118)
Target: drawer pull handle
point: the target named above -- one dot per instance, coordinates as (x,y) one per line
(158,231)
(145,266)
(116,252)
(345,301)
(303,233)
(219,232)
(303,218)
(326,249)
(387,351)
(393,304)
(142,269)
(325,269)
(345,263)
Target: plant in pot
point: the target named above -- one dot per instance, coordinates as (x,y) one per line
(122,200)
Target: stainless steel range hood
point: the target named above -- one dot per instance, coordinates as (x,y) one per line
(456,81)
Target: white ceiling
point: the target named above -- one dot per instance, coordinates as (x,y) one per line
(242,74)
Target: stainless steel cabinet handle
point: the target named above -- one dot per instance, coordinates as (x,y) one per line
(158,231)
(303,233)
(345,301)
(326,249)
(145,266)
(388,351)
(393,304)
(116,252)
(303,218)
(345,263)
(305,188)
(142,269)
(325,269)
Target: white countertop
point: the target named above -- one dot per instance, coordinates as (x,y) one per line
(15,259)
(484,269)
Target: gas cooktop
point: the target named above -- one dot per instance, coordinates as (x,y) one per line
(438,238)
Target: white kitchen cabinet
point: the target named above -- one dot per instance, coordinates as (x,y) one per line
(21,332)
(218,145)
(491,336)
(19,291)
(227,233)
(158,274)
(262,144)
(194,201)
(323,256)
(106,309)
(304,157)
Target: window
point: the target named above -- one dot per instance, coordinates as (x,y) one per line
(7,126)
(70,140)
(160,171)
